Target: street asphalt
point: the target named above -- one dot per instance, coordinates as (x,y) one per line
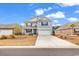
(39,52)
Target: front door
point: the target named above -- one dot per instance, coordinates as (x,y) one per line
(35,31)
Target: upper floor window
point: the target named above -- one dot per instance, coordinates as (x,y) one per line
(28,24)
(34,24)
(44,23)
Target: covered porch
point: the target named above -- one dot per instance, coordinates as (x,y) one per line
(31,31)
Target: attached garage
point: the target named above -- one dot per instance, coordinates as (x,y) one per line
(6,30)
(44,31)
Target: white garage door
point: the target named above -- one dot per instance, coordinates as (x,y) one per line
(44,32)
(6,32)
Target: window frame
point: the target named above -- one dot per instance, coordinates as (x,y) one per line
(44,23)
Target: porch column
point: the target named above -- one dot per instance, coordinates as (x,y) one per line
(32,31)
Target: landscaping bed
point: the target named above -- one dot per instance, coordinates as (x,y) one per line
(18,40)
(72,38)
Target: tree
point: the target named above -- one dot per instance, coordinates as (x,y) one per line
(18,29)
(54,28)
(73,25)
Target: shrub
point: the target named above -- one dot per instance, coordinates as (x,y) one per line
(3,37)
(11,36)
(18,33)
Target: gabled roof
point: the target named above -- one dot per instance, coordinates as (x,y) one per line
(6,26)
(66,26)
(39,18)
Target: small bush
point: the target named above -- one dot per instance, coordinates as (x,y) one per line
(3,37)
(11,37)
(18,33)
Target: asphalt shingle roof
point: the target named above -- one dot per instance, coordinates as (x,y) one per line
(38,18)
(6,26)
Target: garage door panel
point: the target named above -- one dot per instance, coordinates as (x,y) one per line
(6,32)
(44,33)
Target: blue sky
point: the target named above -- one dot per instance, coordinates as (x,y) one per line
(59,13)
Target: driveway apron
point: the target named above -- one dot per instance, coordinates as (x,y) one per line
(48,41)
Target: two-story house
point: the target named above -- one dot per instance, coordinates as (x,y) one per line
(38,25)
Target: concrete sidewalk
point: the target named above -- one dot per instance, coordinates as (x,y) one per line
(53,42)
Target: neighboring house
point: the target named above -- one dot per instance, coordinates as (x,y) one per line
(6,30)
(67,29)
(38,25)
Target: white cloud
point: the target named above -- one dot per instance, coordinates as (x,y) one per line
(39,11)
(72,19)
(56,24)
(22,24)
(68,4)
(55,21)
(47,9)
(77,11)
(58,14)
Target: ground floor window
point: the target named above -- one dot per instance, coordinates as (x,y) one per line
(35,31)
(28,30)
(31,31)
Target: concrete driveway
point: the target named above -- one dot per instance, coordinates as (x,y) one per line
(49,41)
